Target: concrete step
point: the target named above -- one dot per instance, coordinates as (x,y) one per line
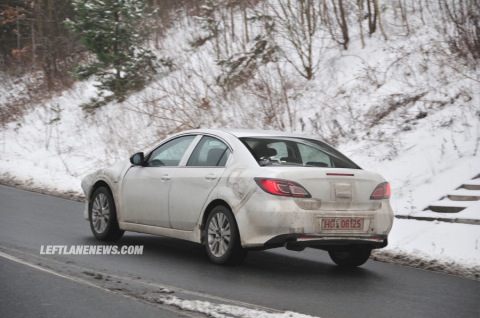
(473,184)
(448,206)
(445,209)
(458,200)
(463,194)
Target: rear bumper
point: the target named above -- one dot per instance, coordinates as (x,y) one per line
(298,242)
(285,222)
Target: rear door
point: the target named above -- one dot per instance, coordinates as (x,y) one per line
(193,183)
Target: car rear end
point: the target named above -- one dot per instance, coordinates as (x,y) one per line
(297,202)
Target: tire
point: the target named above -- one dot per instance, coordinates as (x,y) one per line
(222,238)
(352,257)
(103,216)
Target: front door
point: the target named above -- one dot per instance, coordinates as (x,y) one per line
(145,189)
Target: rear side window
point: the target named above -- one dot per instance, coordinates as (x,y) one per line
(296,152)
(210,152)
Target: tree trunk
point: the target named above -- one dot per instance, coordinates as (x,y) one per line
(372,17)
(379,15)
(360,21)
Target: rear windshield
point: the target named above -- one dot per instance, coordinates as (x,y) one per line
(286,151)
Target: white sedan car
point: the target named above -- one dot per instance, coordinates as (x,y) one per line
(240,190)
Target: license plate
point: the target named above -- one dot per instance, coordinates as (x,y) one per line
(342,224)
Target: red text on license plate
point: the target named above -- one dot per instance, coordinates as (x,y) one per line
(342,224)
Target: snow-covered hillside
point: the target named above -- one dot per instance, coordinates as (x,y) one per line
(400,105)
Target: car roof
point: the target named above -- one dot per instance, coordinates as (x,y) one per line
(239,133)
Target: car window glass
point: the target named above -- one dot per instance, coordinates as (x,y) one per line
(313,157)
(209,152)
(170,153)
(296,152)
(280,149)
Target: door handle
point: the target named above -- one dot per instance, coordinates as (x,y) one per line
(165,177)
(210,177)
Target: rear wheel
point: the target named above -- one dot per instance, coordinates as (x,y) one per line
(103,216)
(223,239)
(351,257)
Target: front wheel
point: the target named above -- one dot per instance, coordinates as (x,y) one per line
(103,216)
(351,257)
(223,239)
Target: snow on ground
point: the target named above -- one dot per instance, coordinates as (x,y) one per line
(223,310)
(432,158)
(436,239)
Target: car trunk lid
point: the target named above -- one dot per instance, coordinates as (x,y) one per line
(337,189)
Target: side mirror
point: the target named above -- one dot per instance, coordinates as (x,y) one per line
(137,159)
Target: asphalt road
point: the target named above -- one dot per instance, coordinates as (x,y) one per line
(126,285)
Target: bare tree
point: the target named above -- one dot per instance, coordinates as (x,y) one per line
(338,22)
(404,15)
(464,37)
(296,22)
(374,17)
(360,20)
(15,29)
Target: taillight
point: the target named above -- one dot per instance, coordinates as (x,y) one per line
(382,191)
(282,187)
